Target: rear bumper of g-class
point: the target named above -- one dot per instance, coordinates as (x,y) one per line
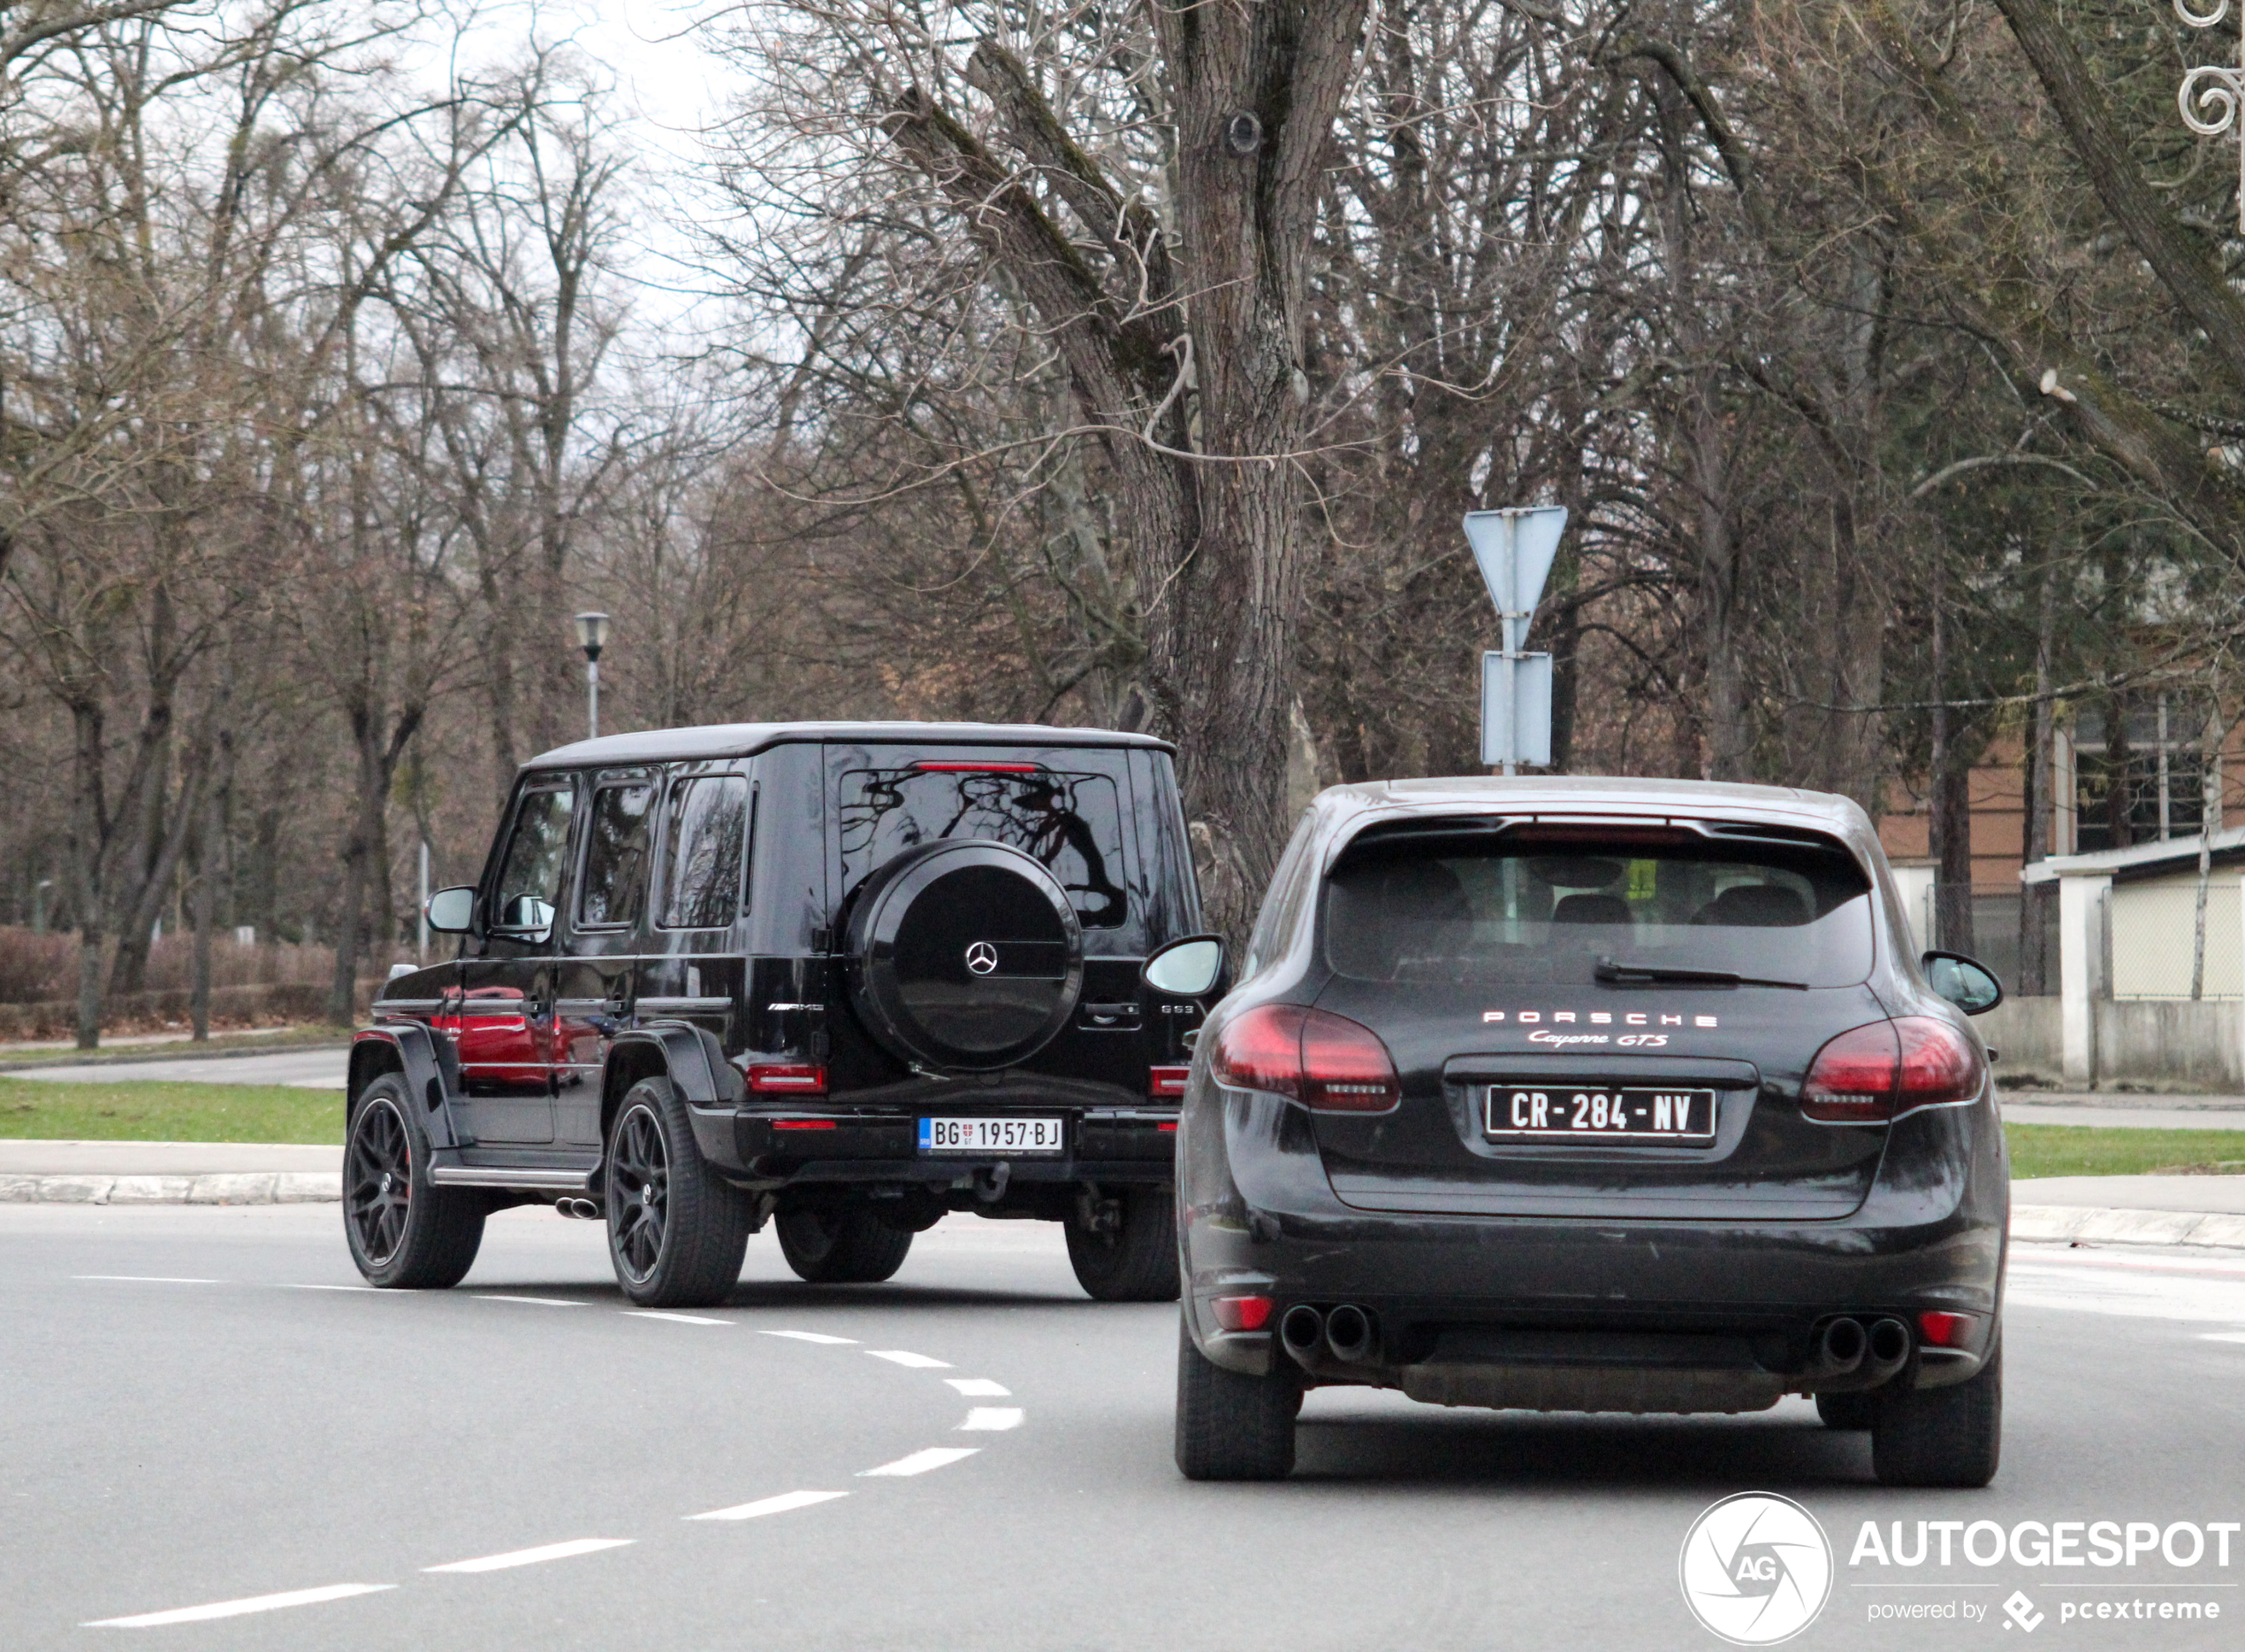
(772,1147)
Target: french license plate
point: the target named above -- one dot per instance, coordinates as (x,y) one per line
(1562,1112)
(992,1135)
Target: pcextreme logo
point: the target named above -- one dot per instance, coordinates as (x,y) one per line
(1755,1569)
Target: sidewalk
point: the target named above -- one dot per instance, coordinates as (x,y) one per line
(168,1173)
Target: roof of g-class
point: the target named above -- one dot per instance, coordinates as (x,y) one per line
(741,740)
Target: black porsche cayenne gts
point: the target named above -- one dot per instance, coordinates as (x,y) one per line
(1593,1095)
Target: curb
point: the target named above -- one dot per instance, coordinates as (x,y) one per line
(2087,1224)
(260,1187)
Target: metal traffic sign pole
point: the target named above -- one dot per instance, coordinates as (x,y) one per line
(1514,550)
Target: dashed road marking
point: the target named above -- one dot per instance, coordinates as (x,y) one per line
(980,1388)
(992,1419)
(574,1547)
(918,1362)
(237,1609)
(146,1279)
(779,1504)
(815,1336)
(920,1462)
(2222,1336)
(542,1302)
(675,1319)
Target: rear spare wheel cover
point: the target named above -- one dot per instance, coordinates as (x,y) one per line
(964,954)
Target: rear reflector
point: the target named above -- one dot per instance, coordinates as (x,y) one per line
(1326,1061)
(802,1123)
(1945,1330)
(976,768)
(1242,1313)
(1166,1081)
(1888,1070)
(786,1079)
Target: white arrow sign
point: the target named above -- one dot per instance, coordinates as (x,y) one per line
(1514,550)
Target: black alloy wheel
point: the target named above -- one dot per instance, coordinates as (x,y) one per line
(638,1194)
(405,1233)
(676,1231)
(849,1246)
(1941,1436)
(1231,1426)
(1138,1262)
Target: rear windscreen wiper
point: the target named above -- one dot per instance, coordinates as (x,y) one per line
(1616,974)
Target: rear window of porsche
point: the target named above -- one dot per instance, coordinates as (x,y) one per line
(1548,906)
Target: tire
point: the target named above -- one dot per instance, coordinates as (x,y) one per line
(840,1245)
(1941,1436)
(405,1233)
(1138,1261)
(1231,1426)
(676,1232)
(1846,1410)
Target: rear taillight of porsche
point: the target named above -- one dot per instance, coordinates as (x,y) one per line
(1875,1074)
(1326,1061)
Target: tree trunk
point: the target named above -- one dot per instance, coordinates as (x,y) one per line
(210,854)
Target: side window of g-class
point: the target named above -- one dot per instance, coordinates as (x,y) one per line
(705,853)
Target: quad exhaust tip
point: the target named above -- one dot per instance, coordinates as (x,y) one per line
(1886,1347)
(1840,1350)
(1350,1334)
(1302,1331)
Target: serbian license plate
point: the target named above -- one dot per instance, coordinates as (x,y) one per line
(1561,1113)
(992,1135)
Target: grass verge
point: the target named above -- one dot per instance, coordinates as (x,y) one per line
(147,1111)
(2097,1150)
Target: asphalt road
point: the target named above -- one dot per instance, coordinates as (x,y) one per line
(196,1408)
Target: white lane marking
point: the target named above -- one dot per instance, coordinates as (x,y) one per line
(146,1279)
(980,1388)
(992,1419)
(296,1287)
(815,1336)
(2054,1258)
(779,1504)
(542,1302)
(918,1362)
(531,1557)
(2222,1336)
(920,1462)
(237,1608)
(675,1319)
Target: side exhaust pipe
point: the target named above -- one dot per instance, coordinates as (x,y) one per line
(1886,1348)
(1350,1334)
(1303,1331)
(1839,1351)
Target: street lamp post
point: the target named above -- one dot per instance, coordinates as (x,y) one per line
(593,637)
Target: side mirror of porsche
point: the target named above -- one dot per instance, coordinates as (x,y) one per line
(1190,968)
(452,912)
(1969,984)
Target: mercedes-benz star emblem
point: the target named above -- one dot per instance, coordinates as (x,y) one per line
(982,958)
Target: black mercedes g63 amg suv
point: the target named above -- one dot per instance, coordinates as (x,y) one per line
(844,975)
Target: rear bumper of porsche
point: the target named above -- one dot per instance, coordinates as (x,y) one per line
(1479,1309)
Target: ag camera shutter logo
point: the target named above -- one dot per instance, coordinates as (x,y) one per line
(1756,1569)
